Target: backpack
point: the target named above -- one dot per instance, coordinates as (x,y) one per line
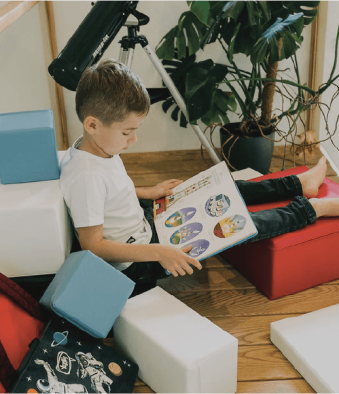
(66,359)
(20,323)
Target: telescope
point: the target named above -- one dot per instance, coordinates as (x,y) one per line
(91,39)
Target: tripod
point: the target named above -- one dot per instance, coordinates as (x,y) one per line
(126,54)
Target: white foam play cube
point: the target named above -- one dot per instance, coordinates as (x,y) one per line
(176,349)
(247,173)
(311,344)
(35,228)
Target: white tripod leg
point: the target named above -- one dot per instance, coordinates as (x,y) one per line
(126,57)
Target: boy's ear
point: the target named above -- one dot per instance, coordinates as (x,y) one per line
(91,124)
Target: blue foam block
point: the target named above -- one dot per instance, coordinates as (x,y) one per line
(28,151)
(88,292)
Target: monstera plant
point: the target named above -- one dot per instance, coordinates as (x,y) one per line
(264,31)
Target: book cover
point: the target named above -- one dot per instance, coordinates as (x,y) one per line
(207,212)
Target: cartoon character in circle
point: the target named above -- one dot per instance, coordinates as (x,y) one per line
(89,366)
(198,247)
(217,205)
(53,385)
(186,233)
(180,217)
(229,226)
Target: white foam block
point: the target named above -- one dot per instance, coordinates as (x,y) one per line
(311,343)
(35,228)
(244,175)
(177,350)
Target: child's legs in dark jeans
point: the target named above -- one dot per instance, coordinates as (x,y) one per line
(269,223)
(146,274)
(277,221)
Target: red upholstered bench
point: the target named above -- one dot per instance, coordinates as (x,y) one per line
(294,261)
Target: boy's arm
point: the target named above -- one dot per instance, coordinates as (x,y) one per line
(160,190)
(176,261)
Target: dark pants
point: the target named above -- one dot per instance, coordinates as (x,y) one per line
(146,274)
(269,223)
(277,221)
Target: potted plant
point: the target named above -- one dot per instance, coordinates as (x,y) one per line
(266,32)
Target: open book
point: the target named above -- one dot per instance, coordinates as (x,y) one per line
(207,212)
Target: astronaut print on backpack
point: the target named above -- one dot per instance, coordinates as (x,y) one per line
(68,360)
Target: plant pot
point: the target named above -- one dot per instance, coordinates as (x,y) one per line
(253,152)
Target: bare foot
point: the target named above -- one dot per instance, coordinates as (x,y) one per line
(313,178)
(325,206)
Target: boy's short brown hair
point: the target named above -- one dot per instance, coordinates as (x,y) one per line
(110,92)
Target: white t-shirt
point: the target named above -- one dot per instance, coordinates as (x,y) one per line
(99,191)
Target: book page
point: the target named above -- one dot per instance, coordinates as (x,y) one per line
(205,211)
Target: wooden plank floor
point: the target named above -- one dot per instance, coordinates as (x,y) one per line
(224,296)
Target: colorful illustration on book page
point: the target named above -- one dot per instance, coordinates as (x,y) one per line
(162,204)
(180,217)
(186,233)
(217,205)
(198,247)
(229,226)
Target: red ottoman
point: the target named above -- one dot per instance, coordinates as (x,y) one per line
(294,261)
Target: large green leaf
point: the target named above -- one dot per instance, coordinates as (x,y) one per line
(244,41)
(221,104)
(188,33)
(290,44)
(254,13)
(219,11)
(265,7)
(232,43)
(165,49)
(258,16)
(257,10)
(243,34)
(233,9)
(178,70)
(268,43)
(201,9)
(200,84)
(279,25)
(282,8)
(167,104)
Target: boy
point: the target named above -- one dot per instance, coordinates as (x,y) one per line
(111,102)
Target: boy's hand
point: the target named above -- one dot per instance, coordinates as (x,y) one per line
(176,261)
(165,188)
(162,189)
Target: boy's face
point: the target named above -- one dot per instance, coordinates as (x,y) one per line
(117,137)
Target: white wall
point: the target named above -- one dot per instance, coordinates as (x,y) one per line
(330,26)
(23,74)
(23,77)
